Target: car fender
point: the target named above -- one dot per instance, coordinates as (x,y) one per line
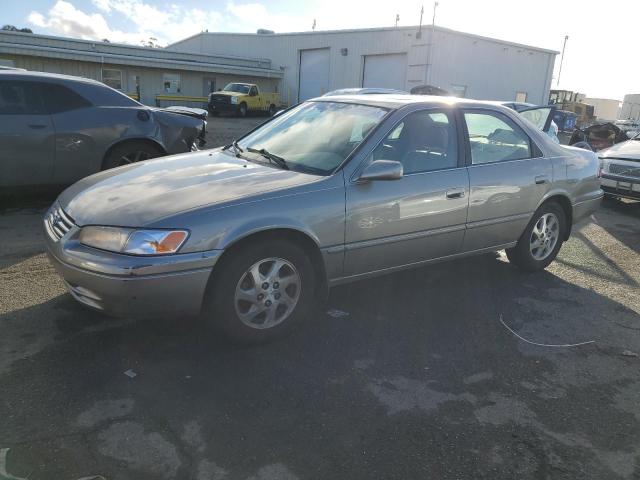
(263,225)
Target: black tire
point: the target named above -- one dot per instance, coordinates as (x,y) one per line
(272,110)
(522,255)
(130,152)
(220,310)
(242,110)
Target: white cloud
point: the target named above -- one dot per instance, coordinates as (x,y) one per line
(65,19)
(170,25)
(102,5)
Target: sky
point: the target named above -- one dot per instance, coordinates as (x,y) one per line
(599,59)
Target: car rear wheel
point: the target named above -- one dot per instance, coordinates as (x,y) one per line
(130,152)
(541,241)
(261,292)
(272,110)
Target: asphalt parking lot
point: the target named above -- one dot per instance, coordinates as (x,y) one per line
(408,376)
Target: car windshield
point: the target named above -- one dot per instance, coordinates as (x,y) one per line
(237,87)
(316,137)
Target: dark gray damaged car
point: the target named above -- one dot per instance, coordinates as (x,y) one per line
(55,129)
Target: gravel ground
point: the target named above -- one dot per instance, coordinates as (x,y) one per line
(414,377)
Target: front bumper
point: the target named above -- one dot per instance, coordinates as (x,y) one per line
(620,186)
(126,285)
(223,107)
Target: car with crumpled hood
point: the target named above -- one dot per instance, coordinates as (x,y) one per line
(57,129)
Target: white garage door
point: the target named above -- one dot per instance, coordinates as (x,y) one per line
(314,73)
(385,71)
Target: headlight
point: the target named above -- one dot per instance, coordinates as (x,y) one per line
(234,100)
(133,242)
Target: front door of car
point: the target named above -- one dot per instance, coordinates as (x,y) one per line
(254,99)
(78,132)
(27,136)
(421,216)
(508,176)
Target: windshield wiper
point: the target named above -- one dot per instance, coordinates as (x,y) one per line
(281,162)
(237,150)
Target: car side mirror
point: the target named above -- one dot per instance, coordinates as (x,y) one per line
(381,170)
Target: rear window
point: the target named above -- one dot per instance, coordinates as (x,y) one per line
(58,98)
(103,96)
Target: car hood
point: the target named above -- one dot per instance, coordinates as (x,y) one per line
(140,194)
(229,94)
(187,111)
(629,150)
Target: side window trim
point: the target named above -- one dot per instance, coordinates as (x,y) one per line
(454,114)
(534,150)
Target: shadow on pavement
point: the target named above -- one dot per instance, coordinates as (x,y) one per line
(419,377)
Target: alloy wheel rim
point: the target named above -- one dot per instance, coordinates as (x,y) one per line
(544,236)
(134,157)
(267,293)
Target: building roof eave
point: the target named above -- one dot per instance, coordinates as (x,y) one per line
(116,59)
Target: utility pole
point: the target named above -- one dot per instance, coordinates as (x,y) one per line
(397,18)
(566,37)
(313,27)
(419,34)
(429,52)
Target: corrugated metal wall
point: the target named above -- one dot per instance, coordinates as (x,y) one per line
(151,79)
(489,69)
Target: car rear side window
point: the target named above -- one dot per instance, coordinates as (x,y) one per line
(59,98)
(423,142)
(103,96)
(20,98)
(494,138)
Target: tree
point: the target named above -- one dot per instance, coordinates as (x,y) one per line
(151,42)
(13,28)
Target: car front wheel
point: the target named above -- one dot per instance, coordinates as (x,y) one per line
(260,292)
(541,241)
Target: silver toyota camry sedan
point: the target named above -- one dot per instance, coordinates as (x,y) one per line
(333,190)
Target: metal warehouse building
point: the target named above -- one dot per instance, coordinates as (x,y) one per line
(153,75)
(465,64)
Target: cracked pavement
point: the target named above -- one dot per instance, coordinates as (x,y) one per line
(419,380)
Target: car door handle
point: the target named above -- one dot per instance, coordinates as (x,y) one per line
(540,179)
(455,193)
(37,126)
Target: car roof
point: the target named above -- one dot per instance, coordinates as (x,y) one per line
(393,101)
(28,75)
(364,91)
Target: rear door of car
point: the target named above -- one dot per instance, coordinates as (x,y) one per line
(27,136)
(508,177)
(421,216)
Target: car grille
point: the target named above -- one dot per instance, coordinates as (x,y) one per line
(58,223)
(624,170)
(220,99)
